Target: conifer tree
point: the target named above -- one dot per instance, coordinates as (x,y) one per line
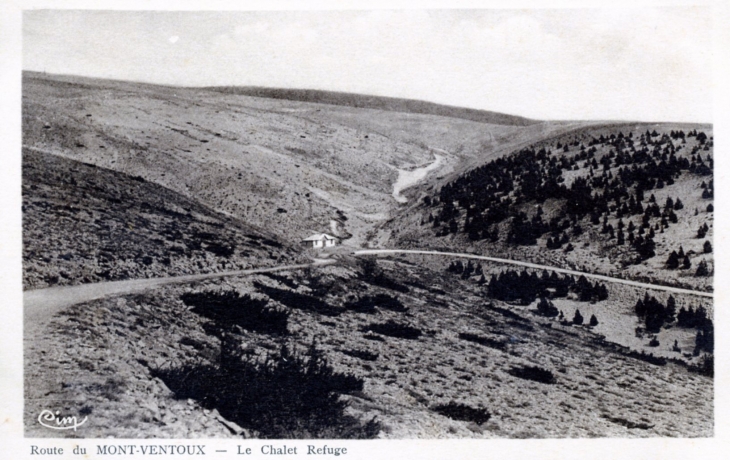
(707,247)
(594,321)
(577,318)
(686,263)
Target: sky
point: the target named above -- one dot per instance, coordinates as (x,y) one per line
(647,64)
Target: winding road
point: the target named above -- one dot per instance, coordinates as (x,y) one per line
(41,304)
(609,279)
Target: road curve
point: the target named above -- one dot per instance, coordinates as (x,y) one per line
(609,279)
(40,305)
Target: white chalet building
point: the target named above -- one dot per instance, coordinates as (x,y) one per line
(320,240)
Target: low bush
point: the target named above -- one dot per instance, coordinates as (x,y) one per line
(534,373)
(296,300)
(486,341)
(361,354)
(230,308)
(649,358)
(367,304)
(705,367)
(463,412)
(394,329)
(373,274)
(285,395)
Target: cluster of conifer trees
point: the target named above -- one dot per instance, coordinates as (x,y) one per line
(524,287)
(614,186)
(656,315)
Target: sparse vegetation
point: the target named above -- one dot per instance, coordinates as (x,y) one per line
(481,340)
(286,395)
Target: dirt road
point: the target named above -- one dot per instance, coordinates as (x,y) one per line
(41,304)
(540,267)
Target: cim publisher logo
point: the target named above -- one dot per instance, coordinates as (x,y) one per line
(55,421)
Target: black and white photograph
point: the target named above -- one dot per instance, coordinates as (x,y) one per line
(366,224)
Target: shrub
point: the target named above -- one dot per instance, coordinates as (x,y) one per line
(367,304)
(296,300)
(463,412)
(533,373)
(361,354)
(229,308)
(393,329)
(486,341)
(284,395)
(654,342)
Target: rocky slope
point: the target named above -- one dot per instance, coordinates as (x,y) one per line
(84,224)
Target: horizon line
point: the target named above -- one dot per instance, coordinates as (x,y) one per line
(213,87)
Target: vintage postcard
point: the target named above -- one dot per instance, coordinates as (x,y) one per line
(320,230)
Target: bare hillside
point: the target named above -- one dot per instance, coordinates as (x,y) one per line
(291,167)
(84,224)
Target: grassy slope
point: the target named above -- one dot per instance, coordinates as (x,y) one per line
(593,251)
(85,224)
(599,391)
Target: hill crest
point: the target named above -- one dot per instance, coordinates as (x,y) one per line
(364,101)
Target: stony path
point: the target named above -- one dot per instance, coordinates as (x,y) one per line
(609,279)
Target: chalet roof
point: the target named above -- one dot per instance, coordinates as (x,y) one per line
(319,237)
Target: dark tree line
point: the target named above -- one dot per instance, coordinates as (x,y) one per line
(525,287)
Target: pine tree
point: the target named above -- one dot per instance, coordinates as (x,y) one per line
(676,348)
(707,247)
(577,318)
(702,269)
(594,321)
(670,310)
(673,261)
(686,263)
(546,308)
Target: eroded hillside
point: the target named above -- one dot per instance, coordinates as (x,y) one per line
(290,167)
